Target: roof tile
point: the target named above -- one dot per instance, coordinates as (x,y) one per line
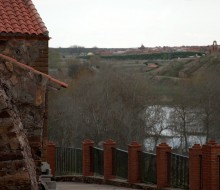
(20,16)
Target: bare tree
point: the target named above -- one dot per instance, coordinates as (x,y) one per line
(156,124)
(106,105)
(183,115)
(208,93)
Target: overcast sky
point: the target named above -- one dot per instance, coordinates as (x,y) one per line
(130,23)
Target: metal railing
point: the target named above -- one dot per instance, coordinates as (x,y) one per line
(179,171)
(68,161)
(120,166)
(148,167)
(97,160)
(218,171)
(200,172)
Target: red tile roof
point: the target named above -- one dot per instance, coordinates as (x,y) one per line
(20,17)
(62,84)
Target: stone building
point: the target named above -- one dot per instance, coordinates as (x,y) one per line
(23,94)
(214,48)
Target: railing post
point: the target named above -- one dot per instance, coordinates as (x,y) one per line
(163,161)
(108,159)
(195,175)
(87,157)
(51,156)
(210,166)
(134,162)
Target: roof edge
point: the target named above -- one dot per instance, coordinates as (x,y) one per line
(62,84)
(4,35)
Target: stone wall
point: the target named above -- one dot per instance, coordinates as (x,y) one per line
(32,52)
(22,113)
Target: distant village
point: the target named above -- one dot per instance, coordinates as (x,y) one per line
(82,51)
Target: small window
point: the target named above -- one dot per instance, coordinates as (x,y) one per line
(18,51)
(2,45)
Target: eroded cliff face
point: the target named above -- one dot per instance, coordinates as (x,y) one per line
(22,112)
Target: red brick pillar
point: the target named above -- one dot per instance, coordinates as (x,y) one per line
(163,162)
(87,157)
(108,159)
(51,156)
(195,167)
(210,166)
(134,162)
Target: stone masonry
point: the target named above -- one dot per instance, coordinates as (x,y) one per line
(23,94)
(22,108)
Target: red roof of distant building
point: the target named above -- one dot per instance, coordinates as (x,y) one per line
(20,17)
(152,65)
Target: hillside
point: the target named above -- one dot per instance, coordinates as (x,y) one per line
(182,69)
(159,71)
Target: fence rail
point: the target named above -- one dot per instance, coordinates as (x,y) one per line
(98,161)
(179,174)
(120,160)
(148,167)
(68,161)
(200,172)
(165,169)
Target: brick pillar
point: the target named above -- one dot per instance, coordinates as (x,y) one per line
(51,156)
(108,159)
(195,167)
(210,166)
(134,162)
(163,160)
(87,157)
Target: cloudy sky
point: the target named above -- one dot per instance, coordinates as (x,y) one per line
(130,23)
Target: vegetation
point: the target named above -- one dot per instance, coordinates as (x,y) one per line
(103,106)
(154,56)
(54,59)
(115,103)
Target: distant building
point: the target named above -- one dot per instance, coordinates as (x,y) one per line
(142,47)
(214,47)
(90,54)
(152,65)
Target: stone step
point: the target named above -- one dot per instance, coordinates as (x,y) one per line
(46,179)
(51,185)
(46,176)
